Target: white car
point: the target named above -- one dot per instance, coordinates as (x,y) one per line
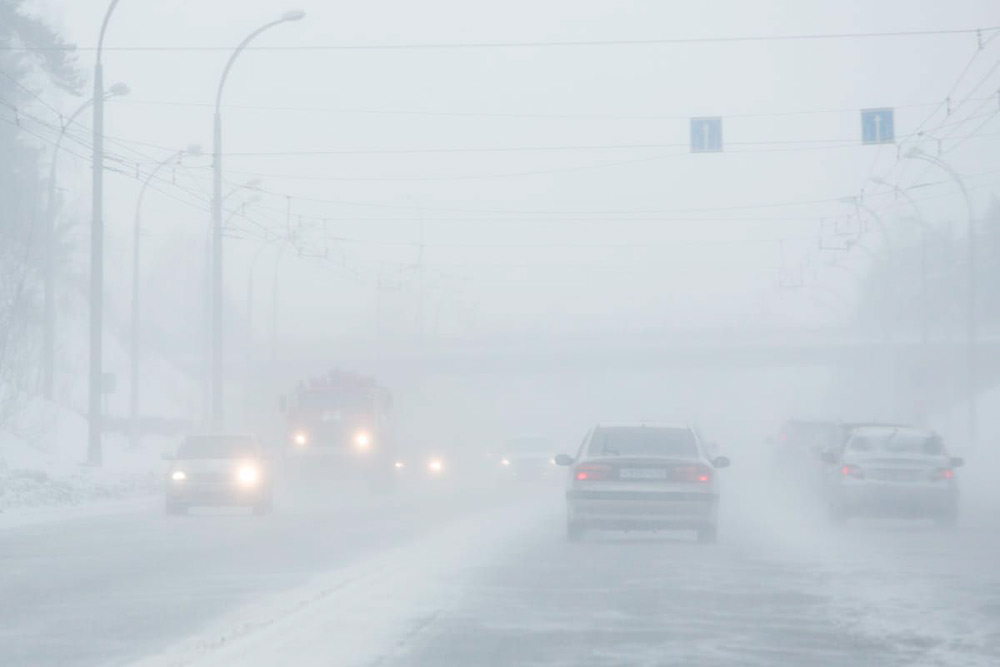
(218,469)
(893,471)
(643,476)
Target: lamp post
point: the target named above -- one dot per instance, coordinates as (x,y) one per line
(970,305)
(96,379)
(134,332)
(217,338)
(48,336)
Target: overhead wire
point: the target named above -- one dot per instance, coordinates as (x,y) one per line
(789,37)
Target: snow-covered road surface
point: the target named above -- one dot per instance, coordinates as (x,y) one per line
(876,594)
(487,578)
(111,588)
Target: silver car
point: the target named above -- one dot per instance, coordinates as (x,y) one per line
(893,471)
(643,476)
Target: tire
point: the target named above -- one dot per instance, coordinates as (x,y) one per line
(175,509)
(708,534)
(574,531)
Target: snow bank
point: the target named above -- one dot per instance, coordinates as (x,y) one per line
(357,614)
(42,454)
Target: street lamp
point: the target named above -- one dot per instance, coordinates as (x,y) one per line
(96,379)
(217,338)
(48,342)
(134,337)
(970,307)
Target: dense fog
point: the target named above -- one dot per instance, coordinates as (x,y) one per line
(444,333)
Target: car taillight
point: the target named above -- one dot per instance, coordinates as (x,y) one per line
(942,474)
(592,471)
(696,474)
(851,470)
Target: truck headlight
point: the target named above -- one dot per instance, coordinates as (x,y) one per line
(435,465)
(363,440)
(248,475)
(301,439)
(178,476)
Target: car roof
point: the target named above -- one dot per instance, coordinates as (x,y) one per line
(672,425)
(884,430)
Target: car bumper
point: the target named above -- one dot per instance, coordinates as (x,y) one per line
(885,499)
(216,494)
(621,509)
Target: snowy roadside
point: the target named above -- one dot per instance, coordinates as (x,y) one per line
(357,614)
(42,467)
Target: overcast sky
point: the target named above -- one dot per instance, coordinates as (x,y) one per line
(613,225)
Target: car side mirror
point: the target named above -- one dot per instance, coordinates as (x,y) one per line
(957,462)
(720,462)
(563,460)
(166,456)
(829,457)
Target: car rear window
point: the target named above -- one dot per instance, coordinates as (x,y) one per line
(898,442)
(218,447)
(643,441)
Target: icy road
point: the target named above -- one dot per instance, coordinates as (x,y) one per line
(487,578)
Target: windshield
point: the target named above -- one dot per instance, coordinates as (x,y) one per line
(898,442)
(334,400)
(217,447)
(643,441)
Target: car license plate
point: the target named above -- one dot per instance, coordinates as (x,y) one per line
(642,473)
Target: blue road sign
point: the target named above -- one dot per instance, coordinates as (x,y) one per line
(706,135)
(877,126)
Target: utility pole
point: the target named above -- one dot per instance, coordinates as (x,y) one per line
(96,376)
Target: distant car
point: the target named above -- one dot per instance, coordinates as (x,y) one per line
(643,477)
(802,446)
(218,470)
(423,463)
(528,458)
(893,471)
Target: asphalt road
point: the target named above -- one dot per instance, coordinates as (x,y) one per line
(782,586)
